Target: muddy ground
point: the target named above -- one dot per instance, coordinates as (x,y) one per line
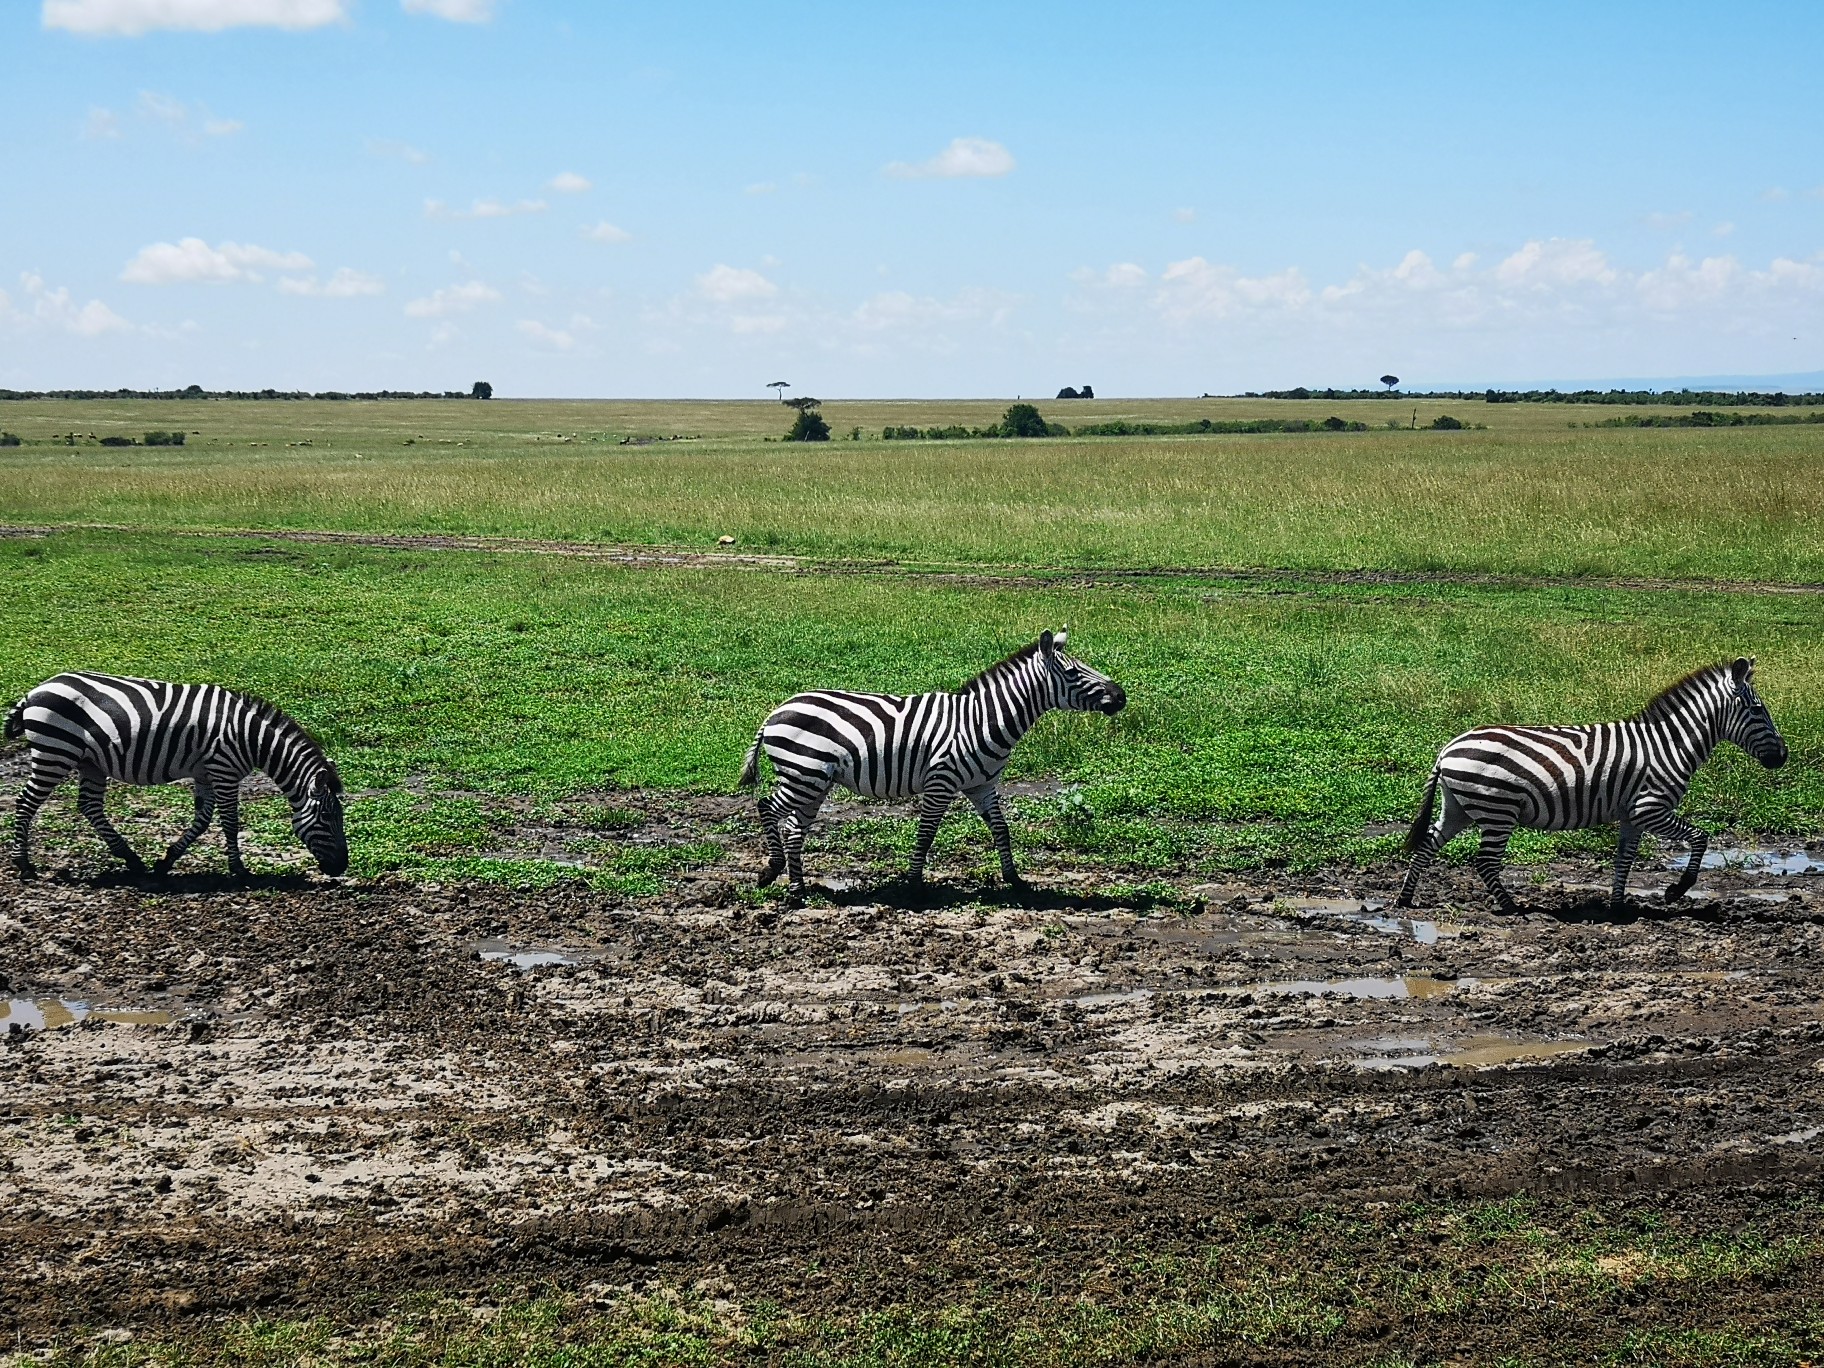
(298,1095)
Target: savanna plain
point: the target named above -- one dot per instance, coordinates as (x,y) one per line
(546,1080)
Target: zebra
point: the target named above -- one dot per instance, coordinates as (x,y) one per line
(1634,772)
(933,746)
(146,731)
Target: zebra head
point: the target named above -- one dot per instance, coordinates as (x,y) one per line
(316,816)
(1074,686)
(1746,720)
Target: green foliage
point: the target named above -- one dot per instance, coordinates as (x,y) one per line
(115,440)
(1023,420)
(1445,423)
(10,439)
(161,439)
(481,390)
(1706,418)
(808,426)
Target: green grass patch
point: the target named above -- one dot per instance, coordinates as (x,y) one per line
(1264,724)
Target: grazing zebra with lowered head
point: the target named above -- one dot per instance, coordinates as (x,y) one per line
(1634,772)
(145,731)
(933,746)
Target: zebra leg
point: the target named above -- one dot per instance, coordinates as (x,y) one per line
(1625,852)
(91,801)
(46,775)
(205,812)
(229,797)
(794,825)
(775,844)
(1451,820)
(987,801)
(1672,827)
(1488,858)
(933,803)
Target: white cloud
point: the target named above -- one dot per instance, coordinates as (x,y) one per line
(176,115)
(221,128)
(963,158)
(456,11)
(453,299)
(607,232)
(344,284)
(483,209)
(54,308)
(543,336)
(101,123)
(129,18)
(730,284)
(390,147)
(191,261)
(1556,262)
(1185,215)
(896,310)
(1777,194)
(1194,287)
(568,183)
(1665,222)
(1723,229)
(762,188)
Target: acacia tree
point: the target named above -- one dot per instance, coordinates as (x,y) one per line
(482,390)
(1390,381)
(781,385)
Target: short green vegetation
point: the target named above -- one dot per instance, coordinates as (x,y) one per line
(1271,721)
(1515,1282)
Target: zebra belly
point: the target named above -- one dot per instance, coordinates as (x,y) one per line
(854,740)
(1545,779)
(87,739)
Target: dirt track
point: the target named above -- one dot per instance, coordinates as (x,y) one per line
(342,1096)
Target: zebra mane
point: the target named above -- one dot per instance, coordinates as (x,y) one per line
(278,717)
(1664,703)
(999,668)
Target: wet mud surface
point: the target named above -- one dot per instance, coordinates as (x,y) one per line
(295,1094)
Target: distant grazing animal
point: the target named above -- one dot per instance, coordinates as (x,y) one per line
(144,731)
(935,746)
(1634,772)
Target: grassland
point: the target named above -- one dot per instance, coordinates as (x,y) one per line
(1529,496)
(1517,1283)
(1274,720)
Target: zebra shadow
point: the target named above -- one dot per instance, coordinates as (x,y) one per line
(904,895)
(200,883)
(1599,911)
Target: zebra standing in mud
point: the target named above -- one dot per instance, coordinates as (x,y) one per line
(1634,772)
(145,731)
(933,746)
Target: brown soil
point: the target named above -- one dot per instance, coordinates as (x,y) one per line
(347,1103)
(639,557)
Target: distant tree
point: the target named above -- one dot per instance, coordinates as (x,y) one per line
(781,385)
(193,391)
(808,426)
(1023,420)
(1068,392)
(1390,380)
(802,402)
(482,390)
(1445,423)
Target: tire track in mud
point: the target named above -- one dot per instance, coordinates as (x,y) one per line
(985,575)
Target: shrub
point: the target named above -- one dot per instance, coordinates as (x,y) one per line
(1445,423)
(808,426)
(164,439)
(118,441)
(10,439)
(1023,420)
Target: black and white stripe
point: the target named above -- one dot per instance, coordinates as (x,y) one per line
(1634,772)
(933,746)
(145,731)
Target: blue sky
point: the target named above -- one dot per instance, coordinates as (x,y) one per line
(942,199)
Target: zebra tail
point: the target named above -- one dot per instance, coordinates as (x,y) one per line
(1422,823)
(750,772)
(15,721)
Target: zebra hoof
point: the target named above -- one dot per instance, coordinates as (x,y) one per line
(25,869)
(164,867)
(237,870)
(1509,908)
(134,864)
(1678,890)
(770,875)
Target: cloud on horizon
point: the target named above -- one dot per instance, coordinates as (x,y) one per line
(192,261)
(131,18)
(964,158)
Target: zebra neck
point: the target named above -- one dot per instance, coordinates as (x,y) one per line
(998,718)
(1682,744)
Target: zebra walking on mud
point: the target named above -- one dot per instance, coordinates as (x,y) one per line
(1634,772)
(933,746)
(145,731)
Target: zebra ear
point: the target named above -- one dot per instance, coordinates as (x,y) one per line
(1063,634)
(1743,669)
(1047,642)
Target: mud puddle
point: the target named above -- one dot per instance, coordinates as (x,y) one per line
(52,1014)
(399,1088)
